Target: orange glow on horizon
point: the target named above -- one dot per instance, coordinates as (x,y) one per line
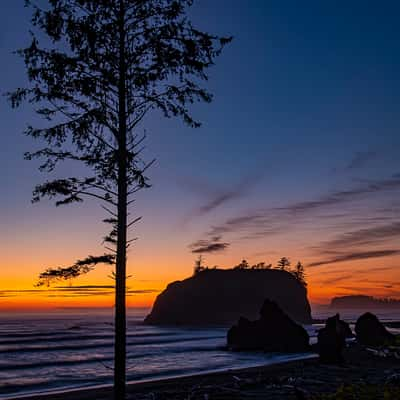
(152,272)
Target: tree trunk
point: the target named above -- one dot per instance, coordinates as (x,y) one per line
(120,284)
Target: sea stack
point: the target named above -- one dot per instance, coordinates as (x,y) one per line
(218,297)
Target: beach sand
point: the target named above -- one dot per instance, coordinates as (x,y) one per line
(274,382)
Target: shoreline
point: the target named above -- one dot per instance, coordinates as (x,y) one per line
(93,392)
(277,381)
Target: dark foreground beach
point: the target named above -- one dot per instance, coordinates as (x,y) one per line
(364,375)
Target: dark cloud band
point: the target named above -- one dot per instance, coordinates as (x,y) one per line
(356,256)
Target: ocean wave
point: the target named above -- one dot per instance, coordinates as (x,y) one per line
(38,355)
(99,343)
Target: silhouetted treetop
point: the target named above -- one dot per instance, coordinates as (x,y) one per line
(164,55)
(242,265)
(299,273)
(283,263)
(261,265)
(199,265)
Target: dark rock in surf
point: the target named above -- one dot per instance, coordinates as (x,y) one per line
(332,340)
(371,332)
(274,332)
(348,333)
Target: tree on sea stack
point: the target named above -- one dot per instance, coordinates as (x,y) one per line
(283,263)
(299,273)
(96,69)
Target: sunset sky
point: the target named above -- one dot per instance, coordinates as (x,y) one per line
(298,156)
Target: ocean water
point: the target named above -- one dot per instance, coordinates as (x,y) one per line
(71,349)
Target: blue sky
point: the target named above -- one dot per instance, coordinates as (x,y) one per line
(306,106)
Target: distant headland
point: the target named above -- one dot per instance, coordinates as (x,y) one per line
(221,296)
(363,302)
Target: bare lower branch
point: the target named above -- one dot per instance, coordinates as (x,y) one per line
(134,222)
(109,211)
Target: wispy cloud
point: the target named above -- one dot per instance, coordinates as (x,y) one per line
(85,287)
(356,271)
(73,291)
(143,291)
(19,291)
(344,196)
(372,290)
(220,196)
(218,200)
(353,256)
(367,236)
(361,159)
(337,279)
(272,221)
(212,245)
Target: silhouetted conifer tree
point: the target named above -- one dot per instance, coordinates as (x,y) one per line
(97,70)
(283,263)
(243,265)
(198,265)
(299,273)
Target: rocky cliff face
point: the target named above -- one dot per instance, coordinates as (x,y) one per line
(219,297)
